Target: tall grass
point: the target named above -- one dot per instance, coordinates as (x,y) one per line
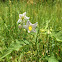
(16,45)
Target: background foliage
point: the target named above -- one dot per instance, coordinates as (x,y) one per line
(16,45)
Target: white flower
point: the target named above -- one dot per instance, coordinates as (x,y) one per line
(22,17)
(30,27)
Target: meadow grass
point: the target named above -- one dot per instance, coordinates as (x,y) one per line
(17,45)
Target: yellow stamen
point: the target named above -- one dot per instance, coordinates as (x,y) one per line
(30,28)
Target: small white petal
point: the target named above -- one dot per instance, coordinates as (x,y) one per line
(20,15)
(34,25)
(28,22)
(19,21)
(27,17)
(24,14)
(33,30)
(28,31)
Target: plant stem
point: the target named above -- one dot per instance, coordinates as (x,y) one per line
(37,45)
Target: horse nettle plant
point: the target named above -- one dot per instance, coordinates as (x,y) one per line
(29,26)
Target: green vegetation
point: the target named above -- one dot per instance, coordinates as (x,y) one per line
(17,45)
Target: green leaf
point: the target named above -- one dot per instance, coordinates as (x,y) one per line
(57,35)
(14,46)
(26,42)
(6,53)
(52,59)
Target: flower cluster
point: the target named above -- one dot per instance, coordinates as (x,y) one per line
(29,26)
